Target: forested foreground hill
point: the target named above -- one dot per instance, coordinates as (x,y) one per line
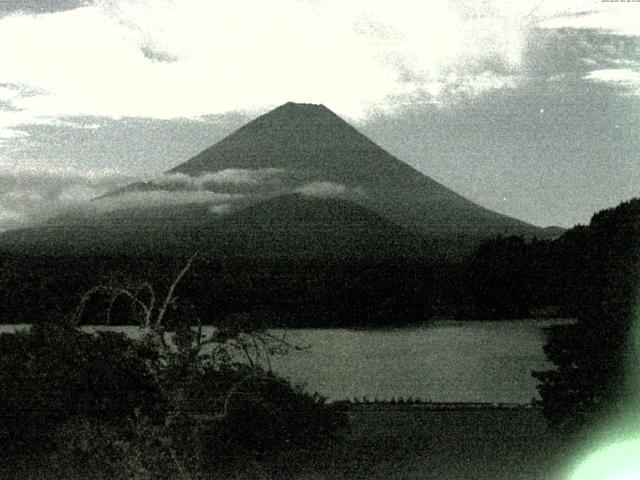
(505,277)
(597,358)
(508,276)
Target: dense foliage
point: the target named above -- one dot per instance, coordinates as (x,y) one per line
(53,373)
(594,356)
(285,292)
(173,404)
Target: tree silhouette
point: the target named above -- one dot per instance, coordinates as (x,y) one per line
(594,355)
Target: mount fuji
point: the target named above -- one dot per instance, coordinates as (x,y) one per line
(296,181)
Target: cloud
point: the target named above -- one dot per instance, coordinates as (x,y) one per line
(139,146)
(187,58)
(230,176)
(622,77)
(219,66)
(609,17)
(616,75)
(167,59)
(322,189)
(30,194)
(9,133)
(39,6)
(161,198)
(52,181)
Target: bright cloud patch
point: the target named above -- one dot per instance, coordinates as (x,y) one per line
(322,189)
(230,176)
(29,195)
(618,76)
(159,198)
(188,58)
(604,16)
(623,75)
(38,6)
(9,133)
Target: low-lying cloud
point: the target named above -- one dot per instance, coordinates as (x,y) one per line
(626,78)
(323,189)
(30,194)
(230,176)
(162,198)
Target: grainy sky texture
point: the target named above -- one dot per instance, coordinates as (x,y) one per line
(531,108)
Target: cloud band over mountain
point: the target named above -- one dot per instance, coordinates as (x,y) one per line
(29,195)
(229,176)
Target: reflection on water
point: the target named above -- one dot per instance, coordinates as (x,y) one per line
(446,361)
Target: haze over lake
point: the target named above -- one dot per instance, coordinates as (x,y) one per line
(444,361)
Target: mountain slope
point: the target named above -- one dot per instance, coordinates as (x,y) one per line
(300,226)
(313,143)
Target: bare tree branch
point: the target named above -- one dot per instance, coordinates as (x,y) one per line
(152,302)
(170,298)
(114,292)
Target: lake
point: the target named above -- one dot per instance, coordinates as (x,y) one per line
(443,361)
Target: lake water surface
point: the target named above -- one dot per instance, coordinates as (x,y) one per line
(444,361)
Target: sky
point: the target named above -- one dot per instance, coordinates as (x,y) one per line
(531,109)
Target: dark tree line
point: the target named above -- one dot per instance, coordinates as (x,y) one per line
(283,292)
(509,277)
(505,277)
(596,359)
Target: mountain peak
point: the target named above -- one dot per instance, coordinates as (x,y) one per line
(292,112)
(295,137)
(310,106)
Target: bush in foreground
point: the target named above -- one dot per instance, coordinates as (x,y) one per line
(53,373)
(174,404)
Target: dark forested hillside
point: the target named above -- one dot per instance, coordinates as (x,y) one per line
(597,358)
(313,271)
(511,277)
(290,292)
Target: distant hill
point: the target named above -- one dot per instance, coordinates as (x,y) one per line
(552,232)
(508,277)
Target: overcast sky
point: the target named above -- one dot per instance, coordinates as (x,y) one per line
(531,109)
